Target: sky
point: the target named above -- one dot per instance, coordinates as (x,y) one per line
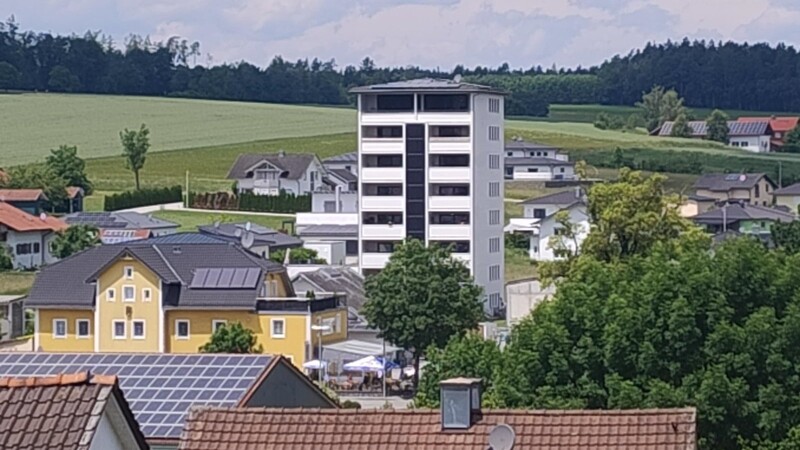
(424,33)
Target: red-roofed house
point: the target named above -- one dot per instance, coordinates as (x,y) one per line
(780,127)
(28,237)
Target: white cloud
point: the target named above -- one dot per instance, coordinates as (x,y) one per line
(254,14)
(722,16)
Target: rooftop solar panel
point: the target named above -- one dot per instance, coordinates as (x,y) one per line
(219,278)
(161,388)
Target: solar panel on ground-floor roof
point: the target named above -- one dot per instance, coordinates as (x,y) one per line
(161,388)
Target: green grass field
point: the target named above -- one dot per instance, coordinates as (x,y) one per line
(588,113)
(32,124)
(16,283)
(190,220)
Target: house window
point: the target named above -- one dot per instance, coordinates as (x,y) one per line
(561,170)
(24,249)
(494,161)
(329,206)
(82,328)
(111,294)
(128,272)
(533,169)
(138,329)
(539,213)
(494,217)
(494,189)
(494,133)
(757,191)
(278,328)
(494,245)
(217,324)
(509,153)
(494,273)
(182,329)
(128,293)
(36,248)
(60,328)
(118,329)
(494,105)
(147,294)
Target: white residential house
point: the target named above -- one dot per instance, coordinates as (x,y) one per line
(538,162)
(544,210)
(343,170)
(430,154)
(753,136)
(28,238)
(269,174)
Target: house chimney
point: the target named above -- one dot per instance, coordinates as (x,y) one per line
(460,402)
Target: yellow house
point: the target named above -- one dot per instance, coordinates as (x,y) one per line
(169,294)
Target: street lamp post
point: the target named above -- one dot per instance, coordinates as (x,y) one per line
(319,329)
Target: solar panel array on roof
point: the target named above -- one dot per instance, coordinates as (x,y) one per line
(225,278)
(160,388)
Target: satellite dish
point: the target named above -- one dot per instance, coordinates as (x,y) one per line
(502,437)
(742,177)
(238,232)
(248,239)
(42,217)
(216,224)
(248,226)
(457,78)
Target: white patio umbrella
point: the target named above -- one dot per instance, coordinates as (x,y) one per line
(315,364)
(368,364)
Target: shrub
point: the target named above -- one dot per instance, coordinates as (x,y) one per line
(143,197)
(282,203)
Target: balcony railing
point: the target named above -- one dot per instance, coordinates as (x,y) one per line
(300,304)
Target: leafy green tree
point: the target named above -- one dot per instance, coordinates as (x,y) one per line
(422,297)
(62,80)
(603,121)
(134,148)
(74,239)
(37,177)
(466,355)
(565,242)
(232,338)
(6,263)
(792,140)
(786,236)
(659,106)
(717,126)
(631,215)
(9,76)
(681,128)
(298,255)
(65,163)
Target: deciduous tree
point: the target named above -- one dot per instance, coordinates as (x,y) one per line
(232,338)
(9,76)
(134,148)
(659,106)
(74,239)
(65,163)
(681,128)
(37,177)
(717,126)
(422,297)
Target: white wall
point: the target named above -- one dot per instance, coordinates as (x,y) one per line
(522,297)
(30,260)
(348,201)
(544,172)
(540,248)
(751,143)
(519,153)
(105,438)
(549,209)
(482,175)
(333,252)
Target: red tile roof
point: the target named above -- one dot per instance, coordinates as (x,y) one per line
(19,220)
(42,413)
(73,191)
(778,124)
(348,429)
(21,195)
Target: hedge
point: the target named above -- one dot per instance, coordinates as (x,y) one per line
(692,162)
(282,203)
(143,197)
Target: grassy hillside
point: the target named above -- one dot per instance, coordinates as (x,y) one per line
(34,123)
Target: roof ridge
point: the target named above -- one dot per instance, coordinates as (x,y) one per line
(63,379)
(169,266)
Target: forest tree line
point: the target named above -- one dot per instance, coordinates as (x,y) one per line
(707,74)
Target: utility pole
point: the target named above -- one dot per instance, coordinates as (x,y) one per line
(186,204)
(780,174)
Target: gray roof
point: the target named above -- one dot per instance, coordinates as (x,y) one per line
(736,212)
(344,175)
(183,238)
(568,197)
(523,145)
(232,232)
(69,283)
(427,85)
(119,220)
(723,182)
(344,158)
(788,190)
(536,161)
(699,128)
(329,230)
(337,280)
(292,165)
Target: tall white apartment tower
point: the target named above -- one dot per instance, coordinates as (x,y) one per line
(431,168)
